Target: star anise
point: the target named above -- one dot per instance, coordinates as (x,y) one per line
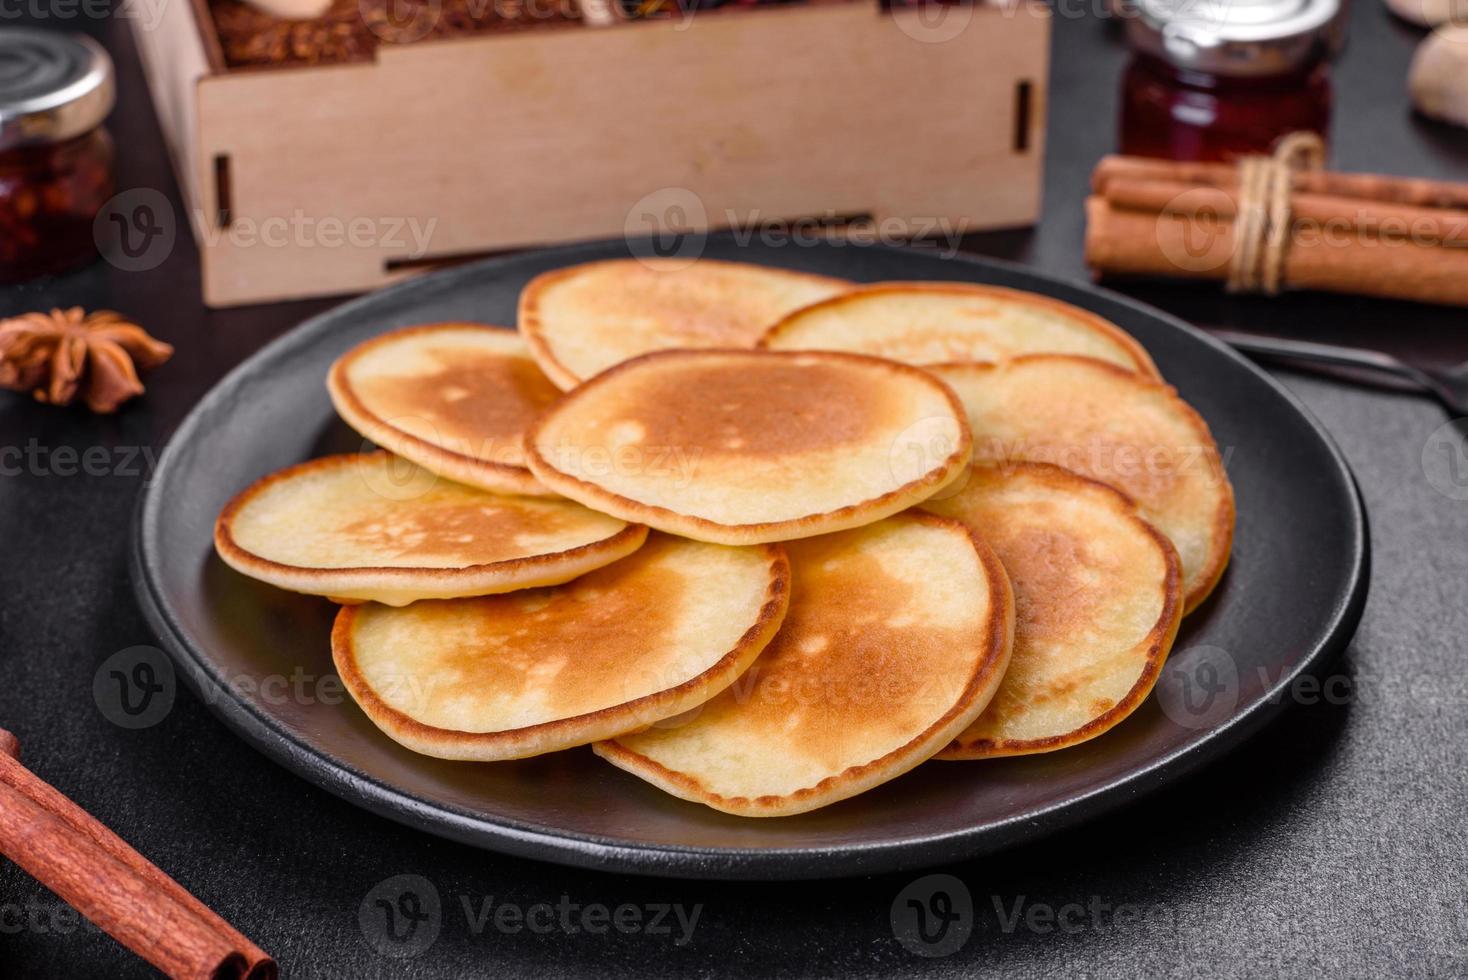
(58,354)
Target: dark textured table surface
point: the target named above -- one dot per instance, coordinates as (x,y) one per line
(1334,841)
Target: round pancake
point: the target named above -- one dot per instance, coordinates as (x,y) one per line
(897,636)
(581,320)
(504,677)
(1114,426)
(455,398)
(374,527)
(932,323)
(741,447)
(1097,602)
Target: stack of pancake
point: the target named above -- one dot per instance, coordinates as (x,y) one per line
(762,539)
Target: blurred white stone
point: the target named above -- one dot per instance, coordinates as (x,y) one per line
(1439,76)
(1430,13)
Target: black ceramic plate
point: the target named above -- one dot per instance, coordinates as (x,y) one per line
(1291,598)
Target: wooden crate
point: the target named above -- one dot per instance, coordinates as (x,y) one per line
(297,176)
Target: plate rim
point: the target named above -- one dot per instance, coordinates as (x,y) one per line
(594,852)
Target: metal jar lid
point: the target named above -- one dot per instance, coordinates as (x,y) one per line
(1234,37)
(52,86)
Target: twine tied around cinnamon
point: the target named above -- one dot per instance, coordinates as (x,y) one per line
(1262,224)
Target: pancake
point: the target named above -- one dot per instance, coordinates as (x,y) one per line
(581,320)
(455,398)
(1114,426)
(897,636)
(1097,601)
(933,323)
(742,447)
(504,677)
(375,527)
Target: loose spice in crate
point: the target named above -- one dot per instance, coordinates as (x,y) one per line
(351,30)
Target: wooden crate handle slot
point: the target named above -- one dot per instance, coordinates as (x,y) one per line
(223,203)
(1023,112)
(443,260)
(833,225)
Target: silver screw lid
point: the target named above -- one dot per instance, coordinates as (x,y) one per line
(1234,37)
(52,86)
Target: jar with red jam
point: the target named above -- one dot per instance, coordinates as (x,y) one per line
(55,156)
(1215,79)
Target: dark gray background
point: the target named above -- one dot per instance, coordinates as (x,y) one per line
(1334,841)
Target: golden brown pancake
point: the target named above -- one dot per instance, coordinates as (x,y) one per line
(1097,601)
(896,638)
(933,323)
(582,319)
(1114,426)
(741,447)
(455,398)
(510,676)
(375,527)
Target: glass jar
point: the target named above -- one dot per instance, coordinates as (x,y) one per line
(1212,81)
(55,157)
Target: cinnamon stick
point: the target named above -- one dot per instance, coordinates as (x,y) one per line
(1324,212)
(111,894)
(1123,241)
(91,868)
(1368,187)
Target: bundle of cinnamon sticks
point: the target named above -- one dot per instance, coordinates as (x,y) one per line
(1366,234)
(92,869)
